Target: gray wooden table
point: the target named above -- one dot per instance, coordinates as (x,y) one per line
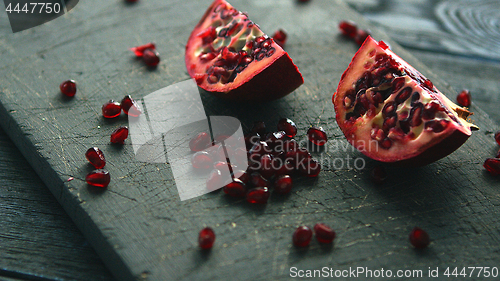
(453,199)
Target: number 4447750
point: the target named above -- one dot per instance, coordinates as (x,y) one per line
(32,8)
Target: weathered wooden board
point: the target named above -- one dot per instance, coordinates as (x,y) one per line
(141,229)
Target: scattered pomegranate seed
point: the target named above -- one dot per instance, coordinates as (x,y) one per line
(111,109)
(119,135)
(288,126)
(236,188)
(259,127)
(419,238)
(464,98)
(201,160)
(258,195)
(68,88)
(317,136)
(361,36)
(280,37)
(283,184)
(497,137)
(324,234)
(302,236)
(492,165)
(139,50)
(200,142)
(206,238)
(130,106)
(348,28)
(99,178)
(378,174)
(151,57)
(95,156)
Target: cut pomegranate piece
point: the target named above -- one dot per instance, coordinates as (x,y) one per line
(280,37)
(288,126)
(119,135)
(130,106)
(200,142)
(99,178)
(258,195)
(68,88)
(111,109)
(236,188)
(419,238)
(283,184)
(317,136)
(139,50)
(95,156)
(302,236)
(230,57)
(464,98)
(324,234)
(206,238)
(492,165)
(392,113)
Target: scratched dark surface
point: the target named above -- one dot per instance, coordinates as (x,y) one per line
(139,227)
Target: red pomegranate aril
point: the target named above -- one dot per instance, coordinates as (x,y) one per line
(497,137)
(99,178)
(201,160)
(361,36)
(258,181)
(216,180)
(68,88)
(206,238)
(258,195)
(259,127)
(139,50)
(266,169)
(464,98)
(280,37)
(283,167)
(119,135)
(288,126)
(492,165)
(419,238)
(348,28)
(95,156)
(378,174)
(151,57)
(243,176)
(251,140)
(317,136)
(130,106)
(111,109)
(310,167)
(324,234)
(302,236)
(200,142)
(236,188)
(283,184)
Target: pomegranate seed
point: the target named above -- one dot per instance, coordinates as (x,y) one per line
(288,126)
(266,168)
(464,98)
(201,160)
(215,180)
(283,184)
(68,88)
(111,109)
(348,28)
(280,37)
(497,137)
(206,238)
(317,136)
(139,50)
(310,167)
(378,174)
(419,238)
(383,45)
(258,181)
(324,234)
(119,135)
(492,165)
(130,106)
(302,236)
(151,57)
(200,142)
(259,127)
(99,178)
(258,195)
(243,176)
(361,36)
(95,157)
(236,188)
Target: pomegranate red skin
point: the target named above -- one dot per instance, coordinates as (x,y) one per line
(268,80)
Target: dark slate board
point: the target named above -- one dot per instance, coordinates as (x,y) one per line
(143,231)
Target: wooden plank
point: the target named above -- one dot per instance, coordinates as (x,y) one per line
(141,229)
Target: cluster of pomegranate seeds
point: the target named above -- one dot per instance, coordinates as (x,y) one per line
(148,53)
(419,238)
(351,30)
(324,234)
(206,238)
(280,37)
(302,236)
(317,136)
(99,178)
(68,88)
(95,156)
(464,98)
(111,109)
(378,174)
(119,135)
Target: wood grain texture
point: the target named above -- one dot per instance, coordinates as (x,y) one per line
(140,228)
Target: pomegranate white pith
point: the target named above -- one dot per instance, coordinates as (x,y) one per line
(392,113)
(228,55)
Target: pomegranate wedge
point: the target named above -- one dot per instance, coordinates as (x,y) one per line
(392,113)
(230,57)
